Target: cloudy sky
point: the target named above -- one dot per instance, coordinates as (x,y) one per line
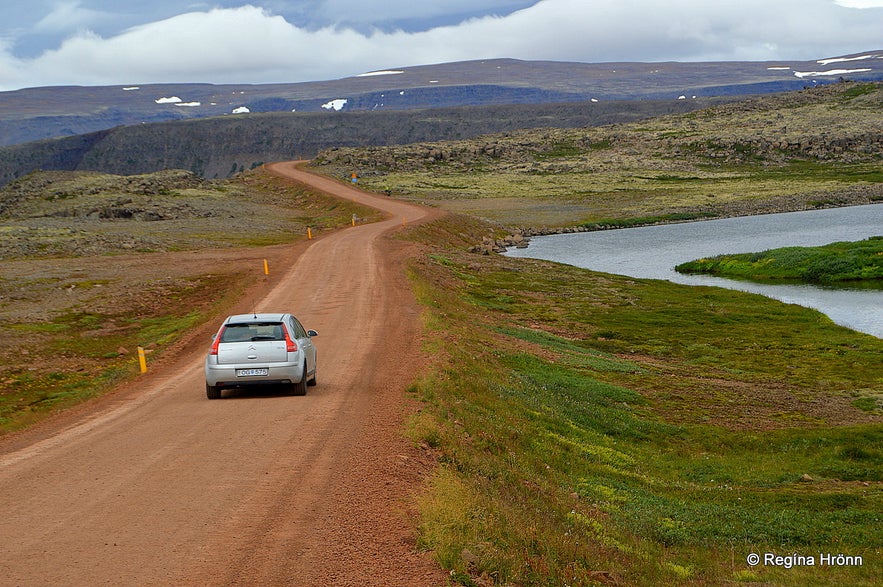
(130,42)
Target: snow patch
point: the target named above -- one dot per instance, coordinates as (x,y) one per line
(785,68)
(802,74)
(842,59)
(335,104)
(169,100)
(241,110)
(383,72)
(131,88)
(189,104)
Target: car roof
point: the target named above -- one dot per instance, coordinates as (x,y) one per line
(252,318)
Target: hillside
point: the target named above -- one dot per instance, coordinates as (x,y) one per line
(221,146)
(39,113)
(817,147)
(59,213)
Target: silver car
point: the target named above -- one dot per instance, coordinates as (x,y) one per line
(261,349)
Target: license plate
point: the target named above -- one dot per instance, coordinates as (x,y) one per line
(252,372)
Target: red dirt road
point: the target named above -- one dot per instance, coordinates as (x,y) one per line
(156,485)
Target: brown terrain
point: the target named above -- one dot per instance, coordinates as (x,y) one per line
(155,485)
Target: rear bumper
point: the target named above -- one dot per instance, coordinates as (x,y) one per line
(279,373)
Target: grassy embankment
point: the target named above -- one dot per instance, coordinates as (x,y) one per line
(593,429)
(844,263)
(70,324)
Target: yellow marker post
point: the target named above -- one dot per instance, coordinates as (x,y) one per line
(142,360)
(309,234)
(266,268)
(354,219)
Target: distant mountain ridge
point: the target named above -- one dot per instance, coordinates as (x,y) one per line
(39,113)
(217,131)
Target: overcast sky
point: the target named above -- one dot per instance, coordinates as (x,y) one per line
(131,42)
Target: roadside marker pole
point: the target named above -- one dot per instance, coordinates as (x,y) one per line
(266,268)
(309,234)
(142,361)
(354,219)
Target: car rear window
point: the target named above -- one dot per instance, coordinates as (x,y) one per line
(253,331)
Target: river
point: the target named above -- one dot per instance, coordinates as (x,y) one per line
(654,251)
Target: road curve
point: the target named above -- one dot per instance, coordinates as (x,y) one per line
(159,486)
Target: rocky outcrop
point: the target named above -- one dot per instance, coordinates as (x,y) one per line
(489,245)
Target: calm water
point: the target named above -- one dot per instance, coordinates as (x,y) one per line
(654,251)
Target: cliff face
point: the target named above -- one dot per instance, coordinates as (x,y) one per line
(219,147)
(838,123)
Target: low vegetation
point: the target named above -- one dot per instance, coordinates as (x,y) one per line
(594,429)
(850,263)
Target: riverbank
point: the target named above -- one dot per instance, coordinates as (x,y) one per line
(597,428)
(652,252)
(520,237)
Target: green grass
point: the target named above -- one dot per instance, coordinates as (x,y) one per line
(842,262)
(79,354)
(592,428)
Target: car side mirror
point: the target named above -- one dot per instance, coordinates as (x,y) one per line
(312,333)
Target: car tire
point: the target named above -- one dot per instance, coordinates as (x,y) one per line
(300,388)
(212,391)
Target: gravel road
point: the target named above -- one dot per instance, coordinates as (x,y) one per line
(155,485)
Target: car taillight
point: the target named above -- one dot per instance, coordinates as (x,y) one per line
(290,345)
(217,341)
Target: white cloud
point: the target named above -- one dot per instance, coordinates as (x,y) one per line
(860,3)
(251,45)
(69,16)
